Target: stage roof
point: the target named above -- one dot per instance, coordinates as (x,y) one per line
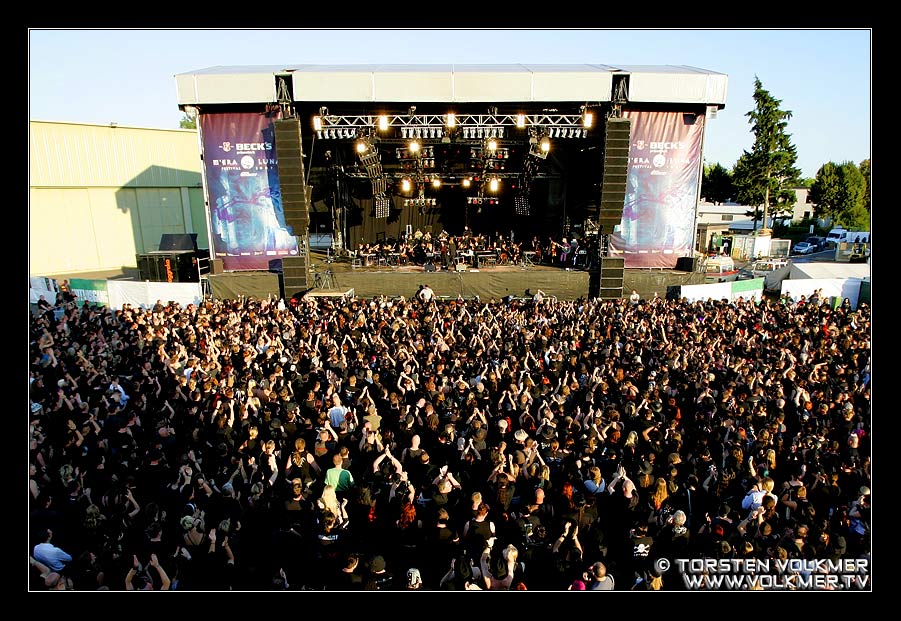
(586,83)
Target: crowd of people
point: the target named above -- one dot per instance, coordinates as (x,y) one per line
(435,444)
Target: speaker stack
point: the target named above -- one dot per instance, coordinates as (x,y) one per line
(296,196)
(606,281)
(616,169)
(296,275)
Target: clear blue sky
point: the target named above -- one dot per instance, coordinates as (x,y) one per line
(822,76)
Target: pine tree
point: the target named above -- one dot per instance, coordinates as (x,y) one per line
(766,174)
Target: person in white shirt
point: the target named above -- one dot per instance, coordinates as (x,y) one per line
(426,294)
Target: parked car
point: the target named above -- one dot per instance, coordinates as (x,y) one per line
(819,243)
(803,248)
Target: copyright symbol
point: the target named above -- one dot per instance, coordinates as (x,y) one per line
(661,565)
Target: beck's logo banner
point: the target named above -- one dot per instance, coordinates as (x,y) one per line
(246,215)
(662,189)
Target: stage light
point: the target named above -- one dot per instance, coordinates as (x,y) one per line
(451,120)
(545,144)
(382,206)
(520,120)
(317,123)
(493,184)
(492,145)
(405,185)
(467,182)
(383,122)
(436,183)
(587,119)
(413,147)
(361,146)
(403,132)
(417,132)
(479,132)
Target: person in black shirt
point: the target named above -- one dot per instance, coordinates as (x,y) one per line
(378,578)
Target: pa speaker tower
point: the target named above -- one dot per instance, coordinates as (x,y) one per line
(295,196)
(616,168)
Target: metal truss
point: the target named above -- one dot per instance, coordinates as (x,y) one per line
(331,121)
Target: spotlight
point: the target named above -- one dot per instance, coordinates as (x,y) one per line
(500,132)
(317,123)
(383,122)
(451,120)
(413,146)
(520,120)
(545,144)
(361,146)
(405,185)
(492,145)
(403,132)
(436,183)
(492,185)
(467,182)
(588,119)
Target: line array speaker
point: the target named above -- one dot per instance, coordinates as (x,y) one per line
(611,278)
(295,193)
(296,275)
(616,169)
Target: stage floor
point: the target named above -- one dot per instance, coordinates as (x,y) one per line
(486,283)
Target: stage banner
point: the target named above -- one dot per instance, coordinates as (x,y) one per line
(246,214)
(661,190)
(93,291)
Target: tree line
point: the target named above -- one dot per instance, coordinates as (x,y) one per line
(765,176)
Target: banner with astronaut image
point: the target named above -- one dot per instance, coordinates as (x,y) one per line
(247,220)
(658,224)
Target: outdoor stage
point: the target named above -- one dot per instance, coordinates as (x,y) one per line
(339,278)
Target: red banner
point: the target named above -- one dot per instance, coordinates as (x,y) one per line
(662,189)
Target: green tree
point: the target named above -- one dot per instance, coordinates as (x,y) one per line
(187,122)
(716,185)
(865,171)
(765,175)
(839,193)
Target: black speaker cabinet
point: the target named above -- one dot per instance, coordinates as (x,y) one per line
(295,193)
(169,266)
(296,275)
(616,169)
(687,264)
(178,241)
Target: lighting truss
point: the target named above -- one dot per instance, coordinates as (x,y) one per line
(521,205)
(420,202)
(481,200)
(474,126)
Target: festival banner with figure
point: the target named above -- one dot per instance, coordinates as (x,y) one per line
(662,189)
(247,220)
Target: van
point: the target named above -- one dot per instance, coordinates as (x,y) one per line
(836,236)
(839,235)
(720,268)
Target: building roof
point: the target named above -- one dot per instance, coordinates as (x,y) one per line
(451,83)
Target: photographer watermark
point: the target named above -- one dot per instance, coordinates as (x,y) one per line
(709,574)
